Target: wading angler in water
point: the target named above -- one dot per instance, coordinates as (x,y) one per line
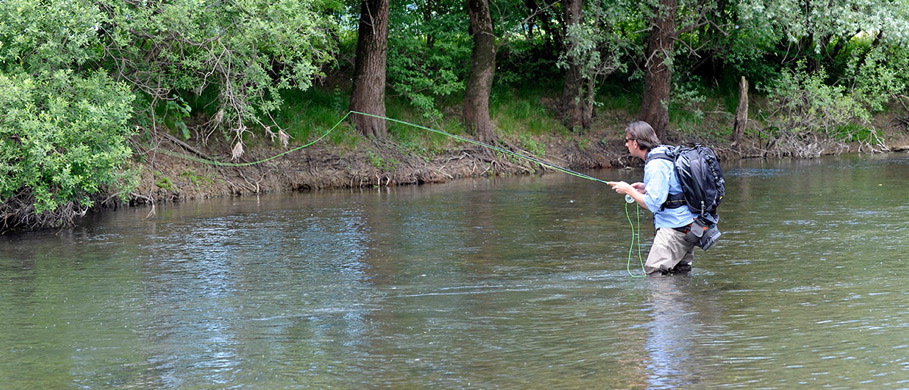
(678,228)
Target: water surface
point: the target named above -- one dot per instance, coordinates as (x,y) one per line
(520,282)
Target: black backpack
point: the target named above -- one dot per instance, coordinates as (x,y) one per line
(703,189)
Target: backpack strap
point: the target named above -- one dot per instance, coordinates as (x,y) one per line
(658,156)
(673,201)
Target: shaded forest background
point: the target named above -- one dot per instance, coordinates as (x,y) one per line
(122,102)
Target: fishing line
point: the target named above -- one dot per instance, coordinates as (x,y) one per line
(635,236)
(246,164)
(457,137)
(485,145)
(635,231)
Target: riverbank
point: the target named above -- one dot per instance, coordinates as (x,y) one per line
(166,178)
(168,169)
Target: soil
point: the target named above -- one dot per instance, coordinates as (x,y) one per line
(164,178)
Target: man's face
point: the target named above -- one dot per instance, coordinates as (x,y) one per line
(630,143)
(633,148)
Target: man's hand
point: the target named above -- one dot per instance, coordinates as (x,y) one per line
(621,187)
(627,189)
(634,191)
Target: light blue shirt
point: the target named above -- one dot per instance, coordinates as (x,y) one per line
(659,181)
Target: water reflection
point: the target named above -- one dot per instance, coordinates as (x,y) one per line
(670,334)
(682,318)
(217,287)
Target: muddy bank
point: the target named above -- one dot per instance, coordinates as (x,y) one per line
(163,177)
(166,178)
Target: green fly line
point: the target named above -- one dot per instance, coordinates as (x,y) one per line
(635,231)
(635,236)
(246,164)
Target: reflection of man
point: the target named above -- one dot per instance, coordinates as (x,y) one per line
(677,312)
(659,193)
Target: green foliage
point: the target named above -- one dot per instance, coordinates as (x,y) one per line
(428,53)
(64,127)
(306,115)
(44,36)
(66,121)
(163,182)
(248,50)
(598,43)
(522,112)
(382,163)
(63,137)
(766,35)
(533,147)
(877,74)
(416,141)
(176,113)
(802,102)
(196,179)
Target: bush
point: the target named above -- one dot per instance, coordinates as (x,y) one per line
(63,138)
(807,115)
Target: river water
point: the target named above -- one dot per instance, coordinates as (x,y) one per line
(522,283)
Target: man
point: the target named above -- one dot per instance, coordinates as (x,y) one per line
(670,252)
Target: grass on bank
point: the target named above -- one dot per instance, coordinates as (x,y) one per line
(520,118)
(523,117)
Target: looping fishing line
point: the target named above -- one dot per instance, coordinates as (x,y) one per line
(635,231)
(246,164)
(635,236)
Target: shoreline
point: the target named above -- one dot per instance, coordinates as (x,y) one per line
(164,178)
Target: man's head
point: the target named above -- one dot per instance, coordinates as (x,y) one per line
(640,138)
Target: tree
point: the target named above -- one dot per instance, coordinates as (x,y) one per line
(482,70)
(545,17)
(577,92)
(243,53)
(427,52)
(79,78)
(368,95)
(63,132)
(594,48)
(658,58)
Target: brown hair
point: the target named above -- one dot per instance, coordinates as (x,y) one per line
(641,132)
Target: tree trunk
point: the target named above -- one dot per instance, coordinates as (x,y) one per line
(368,95)
(576,102)
(551,35)
(428,10)
(741,112)
(482,70)
(658,69)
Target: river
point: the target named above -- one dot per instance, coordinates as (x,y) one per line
(519,282)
